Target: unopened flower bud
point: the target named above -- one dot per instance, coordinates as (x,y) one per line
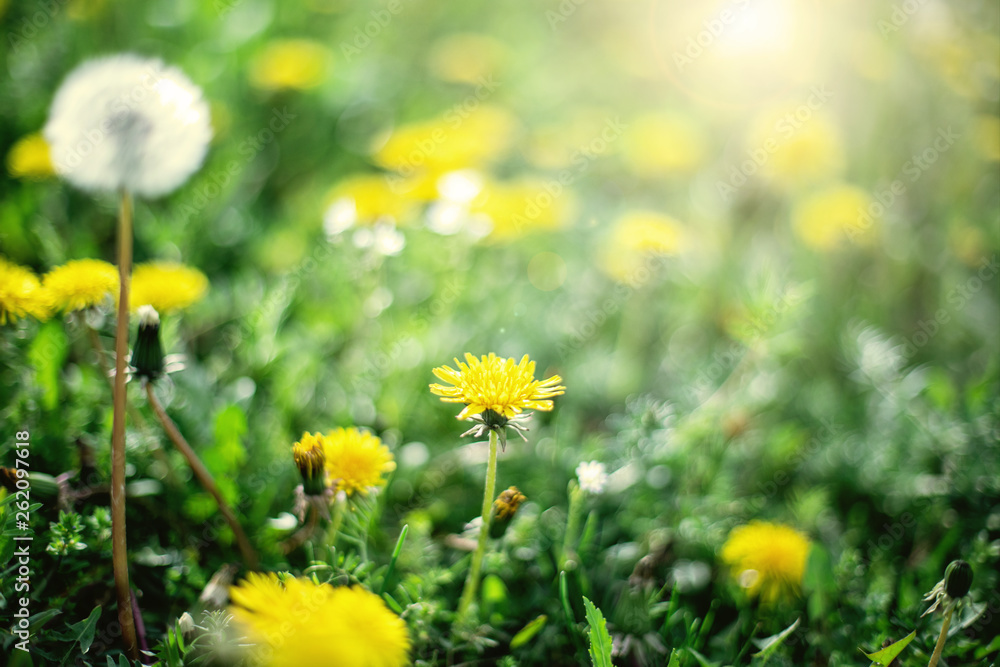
(147,357)
(958,579)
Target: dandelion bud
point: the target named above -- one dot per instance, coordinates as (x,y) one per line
(147,358)
(958,579)
(504,509)
(310,457)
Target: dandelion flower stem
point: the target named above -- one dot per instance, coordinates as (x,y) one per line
(939,648)
(119,549)
(572,526)
(204,477)
(338,518)
(472,582)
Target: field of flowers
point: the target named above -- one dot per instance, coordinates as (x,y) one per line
(571,332)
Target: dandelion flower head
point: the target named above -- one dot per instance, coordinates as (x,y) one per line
(81,283)
(166,286)
(767,559)
(298,623)
(833,216)
(593,476)
(503,386)
(356,460)
(21,294)
(30,158)
(126,122)
(310,458)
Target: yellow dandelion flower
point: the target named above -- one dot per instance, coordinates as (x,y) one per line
(767,559)
(458,139)
(81,283)
(356,460)
(299,623)
(793,149)
(635,237)
(21,294)
(502,386)
(365,199)
(523,206)
(30,158)
(663,144)
(290,64)
(310,458)
(166,286)
(466,58)
(834,215)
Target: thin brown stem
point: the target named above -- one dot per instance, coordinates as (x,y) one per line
(204,476)
(119,548)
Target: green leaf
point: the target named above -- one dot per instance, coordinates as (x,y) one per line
(702,660)
(47,354)
(526,633)
(889,653)
(83,631)
(771,644)
(600,640)
(228,453)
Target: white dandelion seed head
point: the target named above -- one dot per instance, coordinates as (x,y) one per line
(127,122)
(593,476)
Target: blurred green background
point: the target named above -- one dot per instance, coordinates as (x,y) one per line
(758,239)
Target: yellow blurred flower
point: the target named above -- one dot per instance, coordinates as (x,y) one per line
(635,237)
(82,10)
(794,147)
(491,383)
(466,135)
(81,283)
(658,144)
(987,141)
(466,57)
(365,199)
(166,286)
(299,623)
(290,64)
(356,460)
(526,205)
(21,294)
(838,213)
(30,158)
(571,141)
(767,559)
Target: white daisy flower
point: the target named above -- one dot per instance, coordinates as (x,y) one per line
(126,122)
(593,476)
